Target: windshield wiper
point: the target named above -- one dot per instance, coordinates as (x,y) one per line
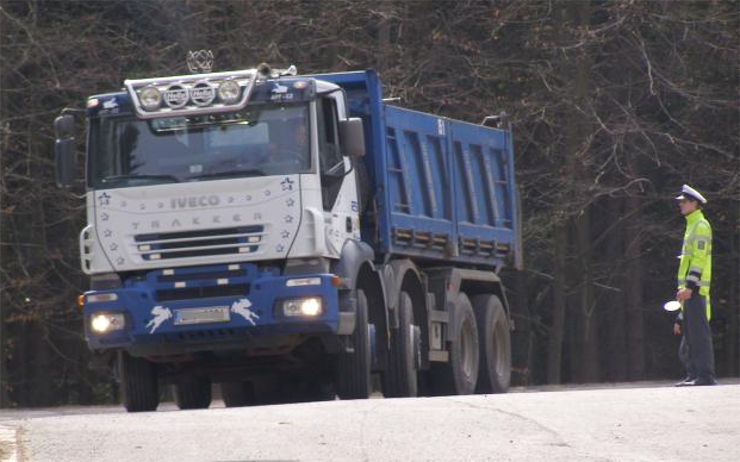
(112,178)
(228,173)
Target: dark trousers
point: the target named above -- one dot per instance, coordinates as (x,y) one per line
(696,351)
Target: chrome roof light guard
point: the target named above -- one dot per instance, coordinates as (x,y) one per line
(185,95)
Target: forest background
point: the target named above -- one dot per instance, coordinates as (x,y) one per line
(614,105)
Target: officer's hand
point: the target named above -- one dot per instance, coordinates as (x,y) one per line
(676,329)
(683,295)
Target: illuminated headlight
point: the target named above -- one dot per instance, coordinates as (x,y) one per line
(150,98)
(303,282)
(309,307)
(228,92)
(100,323)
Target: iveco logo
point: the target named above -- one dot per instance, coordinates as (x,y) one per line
(194,201)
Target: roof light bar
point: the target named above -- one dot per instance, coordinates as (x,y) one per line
(184,95)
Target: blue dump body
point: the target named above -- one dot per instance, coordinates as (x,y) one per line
(443,190)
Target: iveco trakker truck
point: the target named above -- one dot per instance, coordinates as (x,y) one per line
(289,237)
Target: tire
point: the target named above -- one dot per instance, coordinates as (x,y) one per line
(139,381)
(193,392)
(495,345)
(401,379)
(353,368)
(307,389)
(459,375)
(237,394)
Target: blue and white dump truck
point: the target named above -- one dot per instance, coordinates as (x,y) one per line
(290,237)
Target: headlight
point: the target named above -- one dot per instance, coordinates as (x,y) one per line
(150,98)
(100,323)
(228,92)
(309,307)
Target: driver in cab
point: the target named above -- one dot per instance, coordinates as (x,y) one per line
(289,145)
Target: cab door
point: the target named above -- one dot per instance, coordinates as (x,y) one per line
(338,187)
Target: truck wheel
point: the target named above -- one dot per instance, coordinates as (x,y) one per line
(306,389)
(495,345)
(400,380)
(237,394)
(193,393)
(353,368)
(139,380)
(459,375)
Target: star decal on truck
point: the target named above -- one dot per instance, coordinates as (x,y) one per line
(104,199)
(287,184)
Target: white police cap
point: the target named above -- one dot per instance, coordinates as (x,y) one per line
(687,192)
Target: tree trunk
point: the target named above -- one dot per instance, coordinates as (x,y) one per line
(616,356)
(555,339)
(589,357)
(634,299)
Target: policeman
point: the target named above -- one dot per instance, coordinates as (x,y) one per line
(694,276)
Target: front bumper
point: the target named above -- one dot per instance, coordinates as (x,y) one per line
(251,312)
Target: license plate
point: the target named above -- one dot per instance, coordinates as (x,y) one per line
(187,316)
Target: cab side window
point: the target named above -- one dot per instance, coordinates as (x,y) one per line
(328,142)
(331,162)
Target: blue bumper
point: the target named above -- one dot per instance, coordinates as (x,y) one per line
(202,308)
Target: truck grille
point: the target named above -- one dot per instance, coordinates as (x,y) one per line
(202,282)
(233,290)
(221,241)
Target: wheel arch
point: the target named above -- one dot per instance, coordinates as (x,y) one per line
(357,270)
(494,286)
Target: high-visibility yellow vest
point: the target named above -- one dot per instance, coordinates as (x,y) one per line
(695,269)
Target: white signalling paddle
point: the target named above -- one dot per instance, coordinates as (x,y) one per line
(673,305)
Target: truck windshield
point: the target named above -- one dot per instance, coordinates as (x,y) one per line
(258,141)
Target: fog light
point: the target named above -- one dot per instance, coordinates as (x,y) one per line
(309,307)
(100,323)
(228,92)
(302,282)
(150,98)
(106,297)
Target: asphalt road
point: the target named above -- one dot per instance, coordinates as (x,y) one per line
(607,424)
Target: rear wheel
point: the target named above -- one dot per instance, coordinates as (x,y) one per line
(400,380)
(459,375)
(193,392)
(139,380)
(353,367)
(495,345)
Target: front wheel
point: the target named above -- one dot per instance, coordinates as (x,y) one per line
(237,394)
(353,367)
(139,380)
(193,392)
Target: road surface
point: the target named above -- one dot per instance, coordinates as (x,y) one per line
(607,424)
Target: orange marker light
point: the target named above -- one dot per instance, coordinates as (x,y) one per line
(80,301)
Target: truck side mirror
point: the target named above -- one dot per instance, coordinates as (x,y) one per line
(352,137)
(64,150)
